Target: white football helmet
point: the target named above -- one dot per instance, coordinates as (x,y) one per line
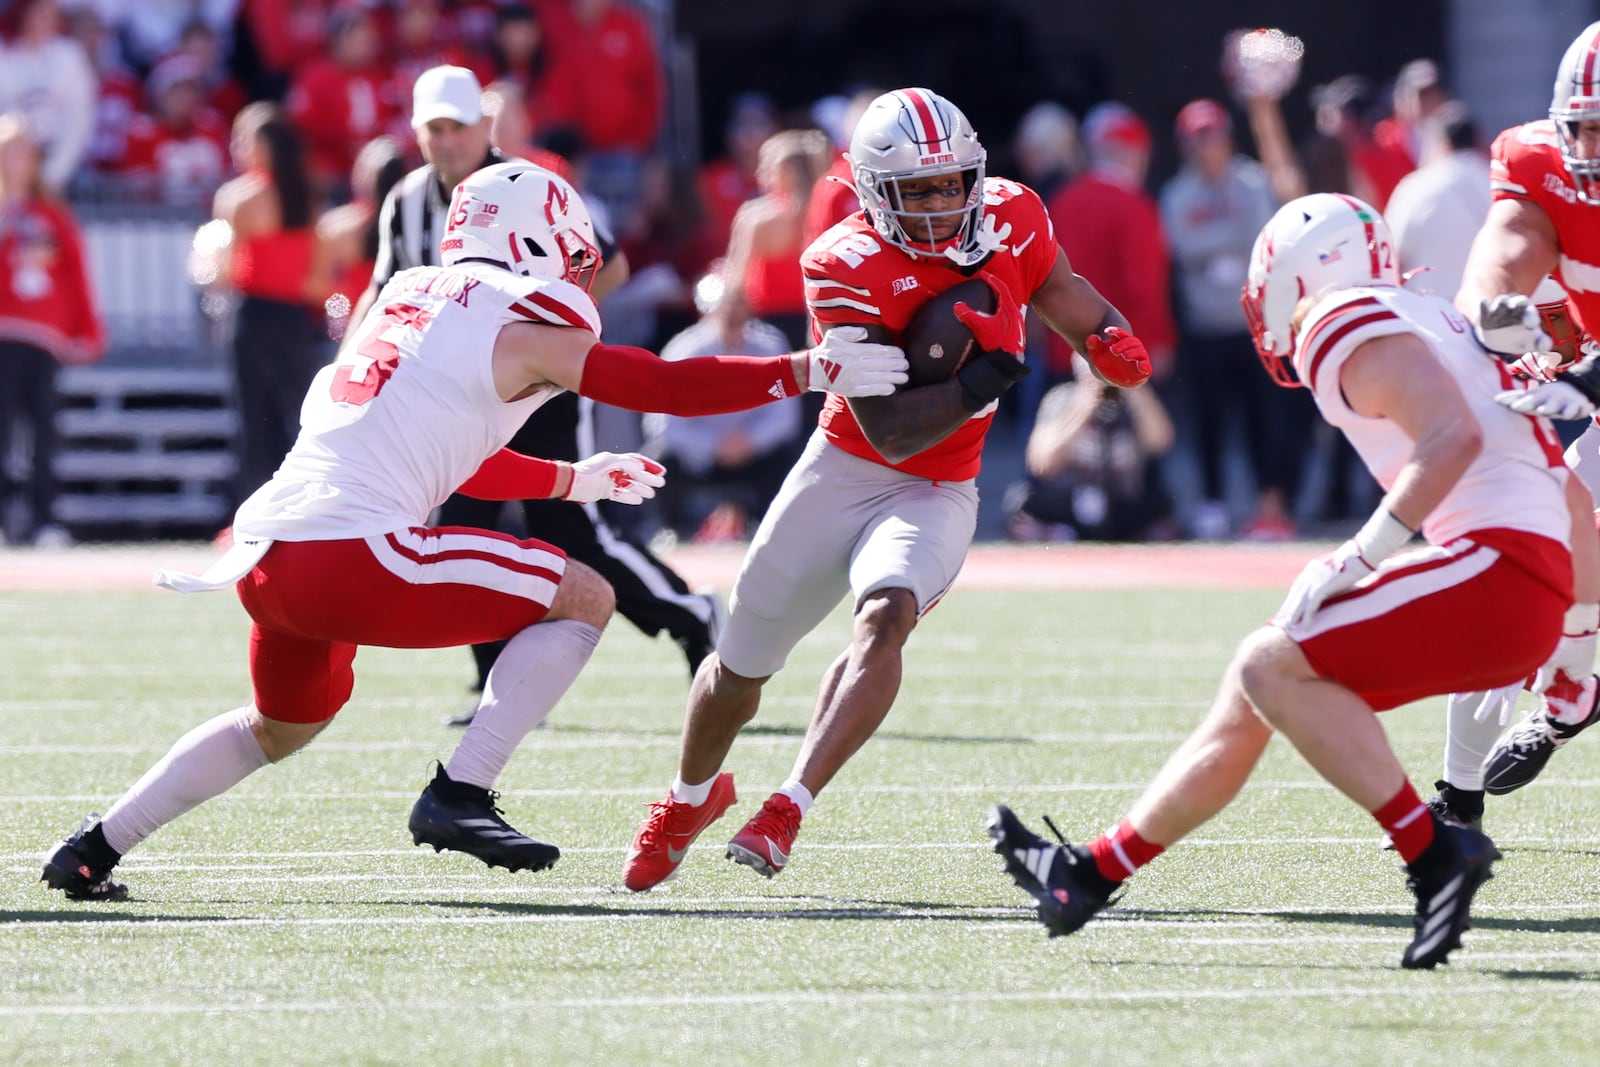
(525,219)
(915,133)
(1317,242)
(1577,99)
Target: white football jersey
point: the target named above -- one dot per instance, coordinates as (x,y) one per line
(1517,482)
(409,410)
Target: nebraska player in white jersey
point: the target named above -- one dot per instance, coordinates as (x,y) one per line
(1402,377)
(882,506)
(333,552)
(1545,219)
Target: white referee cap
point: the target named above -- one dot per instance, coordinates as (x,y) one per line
(446,93)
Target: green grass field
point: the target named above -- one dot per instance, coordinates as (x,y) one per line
(292,921)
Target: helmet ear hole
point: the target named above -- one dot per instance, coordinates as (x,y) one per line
(534,248)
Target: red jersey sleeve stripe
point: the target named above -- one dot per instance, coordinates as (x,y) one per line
(544,309)
(1347,325)
(1338,316)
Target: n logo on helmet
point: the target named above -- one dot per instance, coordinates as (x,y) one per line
(555,204)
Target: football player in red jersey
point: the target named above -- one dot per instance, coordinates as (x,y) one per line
(1545,220)
(882,505)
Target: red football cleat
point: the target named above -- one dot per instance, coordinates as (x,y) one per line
(667,833)
(766,840)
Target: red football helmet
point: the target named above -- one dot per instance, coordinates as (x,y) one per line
(916,133)
(1577,99)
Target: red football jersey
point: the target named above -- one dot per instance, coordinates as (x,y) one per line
(854,276)
(1526,165)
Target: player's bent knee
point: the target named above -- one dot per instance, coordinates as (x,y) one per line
(583,596)
(279,739)
(886,615)
(1270,665)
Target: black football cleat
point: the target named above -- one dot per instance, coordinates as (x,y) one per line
(1520,758)
(1062,879)
(465,818)
(1444,880)
(81,865)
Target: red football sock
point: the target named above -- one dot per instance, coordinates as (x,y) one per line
(1408,821)
(1121,851)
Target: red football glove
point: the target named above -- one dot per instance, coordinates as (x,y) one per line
(1004,331)
(1119,357)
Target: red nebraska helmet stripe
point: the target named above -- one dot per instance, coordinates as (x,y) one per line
(930,139)
(1372,242)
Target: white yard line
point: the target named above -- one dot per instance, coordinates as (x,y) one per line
(787,999)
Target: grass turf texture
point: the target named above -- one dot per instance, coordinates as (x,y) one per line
(293,921)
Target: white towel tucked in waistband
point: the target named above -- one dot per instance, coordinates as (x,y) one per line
(223,574)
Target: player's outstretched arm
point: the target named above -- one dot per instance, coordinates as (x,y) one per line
(527,356)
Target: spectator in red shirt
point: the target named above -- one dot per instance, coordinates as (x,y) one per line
(179,152)
(729,180)
(607,57)
(280,36)
(47,318)
(119,96)
(833,198)
(1418,95)
(339,102)
(1111,231)
(218,90)
(519,54)
(607,65)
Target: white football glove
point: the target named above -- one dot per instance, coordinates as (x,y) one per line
(845,363)
(628,478)
(1552,400)
(1340,570)
(1509,325)
(1575,652)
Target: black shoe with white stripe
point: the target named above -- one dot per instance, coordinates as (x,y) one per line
(464,818)
(1061,878)
(1444,879)
(1519,758)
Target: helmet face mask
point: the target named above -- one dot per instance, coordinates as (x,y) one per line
(523,218)
(917,136)
(1576,99)
(1313,244)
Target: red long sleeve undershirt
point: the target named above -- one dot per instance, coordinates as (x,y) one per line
(509,475)
(639,380)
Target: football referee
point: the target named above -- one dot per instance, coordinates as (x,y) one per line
(453,134)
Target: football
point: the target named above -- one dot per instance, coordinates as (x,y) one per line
(935,341)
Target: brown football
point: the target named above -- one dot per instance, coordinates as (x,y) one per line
(935,341)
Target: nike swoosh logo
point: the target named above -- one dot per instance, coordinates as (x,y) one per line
(779,857)
(1016,250)
(676,854)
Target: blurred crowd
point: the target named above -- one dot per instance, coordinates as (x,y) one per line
(215,101)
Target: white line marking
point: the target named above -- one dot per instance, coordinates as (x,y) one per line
(844,998)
